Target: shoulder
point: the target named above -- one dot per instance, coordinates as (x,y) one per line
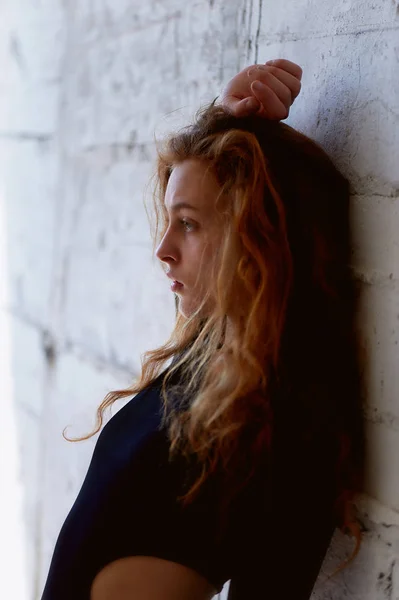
(132,424)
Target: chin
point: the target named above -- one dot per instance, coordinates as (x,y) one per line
(184,308)
(187,308)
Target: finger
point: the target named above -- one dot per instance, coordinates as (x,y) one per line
(272,107)
(282,91)
(260,72)
(288,66)
(288,80)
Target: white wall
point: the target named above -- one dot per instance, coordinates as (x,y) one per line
(83,88)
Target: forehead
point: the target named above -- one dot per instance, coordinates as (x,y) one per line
(191,181)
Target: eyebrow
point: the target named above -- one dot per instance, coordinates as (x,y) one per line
(180,205)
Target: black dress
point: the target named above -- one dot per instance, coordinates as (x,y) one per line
(127,506)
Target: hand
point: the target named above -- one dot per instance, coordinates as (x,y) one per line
(279,84)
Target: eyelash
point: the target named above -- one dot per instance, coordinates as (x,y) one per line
(185,223)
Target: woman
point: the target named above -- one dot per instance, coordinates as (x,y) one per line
(238,460)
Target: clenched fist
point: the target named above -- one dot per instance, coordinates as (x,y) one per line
(267,90)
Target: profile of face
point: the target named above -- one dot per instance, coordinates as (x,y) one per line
(193,233)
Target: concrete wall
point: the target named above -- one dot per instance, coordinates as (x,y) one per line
(83,88)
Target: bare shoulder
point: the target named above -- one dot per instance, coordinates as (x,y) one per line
(149,578)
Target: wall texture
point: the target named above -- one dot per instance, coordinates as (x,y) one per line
(83,89)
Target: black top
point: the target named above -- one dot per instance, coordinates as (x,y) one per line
(127,506)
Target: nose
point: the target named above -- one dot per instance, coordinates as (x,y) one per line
(166,251)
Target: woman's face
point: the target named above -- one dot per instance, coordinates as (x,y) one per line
(194,231)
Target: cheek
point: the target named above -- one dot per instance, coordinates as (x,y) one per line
(204,260)
(200,256)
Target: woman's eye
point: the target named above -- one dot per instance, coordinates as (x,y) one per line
(188,225)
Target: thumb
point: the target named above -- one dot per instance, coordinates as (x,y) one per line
(241,108)
(246,107)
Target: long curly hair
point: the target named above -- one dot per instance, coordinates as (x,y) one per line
(282,285)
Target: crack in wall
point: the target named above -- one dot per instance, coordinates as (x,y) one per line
(26,136)
(249,37)
(280,37)
(257,37)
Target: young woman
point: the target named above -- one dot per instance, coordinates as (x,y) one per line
(238,460)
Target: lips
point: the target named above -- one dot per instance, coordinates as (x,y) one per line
(173,279)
